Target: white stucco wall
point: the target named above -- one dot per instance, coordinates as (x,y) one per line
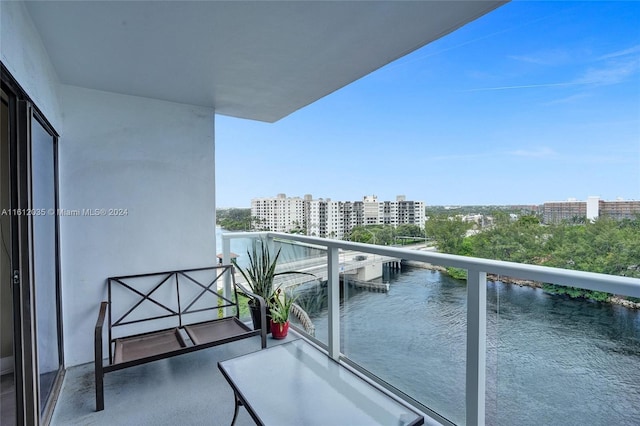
(156,160)
(23,54)
(153,158)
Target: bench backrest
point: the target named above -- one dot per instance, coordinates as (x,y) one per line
(150,302)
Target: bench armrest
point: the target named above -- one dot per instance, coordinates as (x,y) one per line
(101,315)
(97,337)
(262,305)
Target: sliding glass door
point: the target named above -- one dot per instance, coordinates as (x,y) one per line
(7,369)
(29,261)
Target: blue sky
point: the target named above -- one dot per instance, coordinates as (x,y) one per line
(537,101)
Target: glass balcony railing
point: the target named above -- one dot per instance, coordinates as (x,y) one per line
(469,352)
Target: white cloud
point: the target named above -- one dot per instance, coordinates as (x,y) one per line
(613,73)
(541,152)
(551,57)
(614,68)
(625,52)
(568,99)
(523,86)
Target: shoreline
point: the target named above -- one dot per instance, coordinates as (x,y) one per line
(613,299)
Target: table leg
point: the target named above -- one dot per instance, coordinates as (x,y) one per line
(235,412)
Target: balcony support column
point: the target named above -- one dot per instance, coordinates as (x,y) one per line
(333,286)
(476,346)
(226,260)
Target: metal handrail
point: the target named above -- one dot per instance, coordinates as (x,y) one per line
(586,280)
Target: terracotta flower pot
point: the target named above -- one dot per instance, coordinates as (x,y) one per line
(279,330)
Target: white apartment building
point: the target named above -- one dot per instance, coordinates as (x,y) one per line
(280,213)
(326,218)
(407,212)
(372,210)
(332,219)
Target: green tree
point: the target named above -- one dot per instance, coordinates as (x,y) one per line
(448,232)
(604,246)
(528,220)
(373,234)
(523,241)
(409,230)
(500,217)
(234,219)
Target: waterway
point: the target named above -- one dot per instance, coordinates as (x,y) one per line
(551,360)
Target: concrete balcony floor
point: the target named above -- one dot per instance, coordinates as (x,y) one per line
(183,390)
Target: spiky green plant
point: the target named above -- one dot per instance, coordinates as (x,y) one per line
(262,270)
(280,306)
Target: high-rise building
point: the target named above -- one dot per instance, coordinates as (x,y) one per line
(332,219)
(280,213)
(594,207)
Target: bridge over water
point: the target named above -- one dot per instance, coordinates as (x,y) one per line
(357,265)
(361,266)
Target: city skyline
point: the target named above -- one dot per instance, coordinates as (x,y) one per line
(395,198)
(533,102)
(332,218)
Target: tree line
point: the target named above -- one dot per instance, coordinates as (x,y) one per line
(234,219)
(387,235)
(605,245)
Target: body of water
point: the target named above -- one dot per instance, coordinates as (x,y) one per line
(550,361)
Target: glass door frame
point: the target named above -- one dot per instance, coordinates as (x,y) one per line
(47,409)
(22,112)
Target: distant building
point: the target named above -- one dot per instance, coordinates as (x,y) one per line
(559,211)
(620,209)
(332,219)
(278,213)
(594,207)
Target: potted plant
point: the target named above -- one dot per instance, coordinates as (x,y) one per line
(260,275)
(280,307)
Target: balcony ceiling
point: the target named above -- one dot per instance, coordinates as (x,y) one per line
(258,60)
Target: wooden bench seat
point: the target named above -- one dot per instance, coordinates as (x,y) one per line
(183,297)
(206,332)
(147,345)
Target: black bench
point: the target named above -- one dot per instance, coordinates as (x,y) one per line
(165,314)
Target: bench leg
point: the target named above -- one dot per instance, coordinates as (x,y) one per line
(98,360)
(99,387)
